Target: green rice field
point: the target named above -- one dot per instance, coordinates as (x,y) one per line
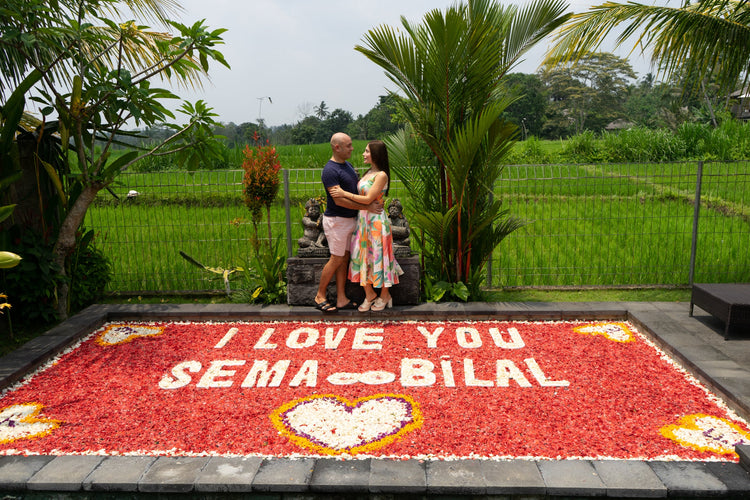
(589,225)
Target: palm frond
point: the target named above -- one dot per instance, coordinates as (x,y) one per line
(707,38)
(107,42)
(450,68)
(532,24)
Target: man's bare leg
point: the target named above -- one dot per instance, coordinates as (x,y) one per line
(341,298)
(332,268)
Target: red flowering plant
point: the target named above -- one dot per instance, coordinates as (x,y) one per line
(265,275)
(261,181)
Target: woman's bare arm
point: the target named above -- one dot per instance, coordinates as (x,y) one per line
(374,192)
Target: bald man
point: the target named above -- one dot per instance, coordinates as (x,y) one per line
(339,222)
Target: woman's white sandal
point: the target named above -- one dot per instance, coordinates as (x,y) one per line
(366,305)
(381,304)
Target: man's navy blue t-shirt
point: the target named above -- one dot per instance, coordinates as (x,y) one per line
(339,174)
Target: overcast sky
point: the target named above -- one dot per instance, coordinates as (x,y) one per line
(301,52)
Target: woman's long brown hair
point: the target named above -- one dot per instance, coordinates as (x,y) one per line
(379,156)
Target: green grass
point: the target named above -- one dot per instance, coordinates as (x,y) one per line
(590,241)
(146,256)
(314,156)
(600,241)
(606,224)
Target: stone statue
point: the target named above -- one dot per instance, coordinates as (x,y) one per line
(313,242)
(399,229)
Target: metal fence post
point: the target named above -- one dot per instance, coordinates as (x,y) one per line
(696,213)
(287,211)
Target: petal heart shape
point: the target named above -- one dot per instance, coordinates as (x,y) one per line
(21,422)
(619,332)
(119,334)
(333,425)
(707,433)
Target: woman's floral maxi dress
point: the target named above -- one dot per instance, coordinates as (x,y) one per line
(372,258)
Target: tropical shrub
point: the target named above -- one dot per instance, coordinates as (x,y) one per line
(694,135)
(30,286)
(450,70)
(96,76)
(264,280)
(90,273)
(583,148)
(640,144)
(530,151)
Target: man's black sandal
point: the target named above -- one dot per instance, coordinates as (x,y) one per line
(325,306)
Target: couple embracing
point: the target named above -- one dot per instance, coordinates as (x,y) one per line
(357,229)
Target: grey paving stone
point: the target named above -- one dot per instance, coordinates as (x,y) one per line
(278,310)
(709,355)
(645,316)
(571,478)
(175,312)
(674,333)
(639,307)
(28,357)
(542,311)
(737,351)
(45,346)
(340,476)
(438,311)
(64,473)
(172,475)
(15,471)
(513,477)
(481,311)
(397,476)
(735,382)
(455,477)
(688,479)
(726,369)
(282,475)
(223,475)
(629,479)
(526,311)
(118,474)
(673,306)
(593,312)
(82,323)
(220,312)
(744,452)
(733,475)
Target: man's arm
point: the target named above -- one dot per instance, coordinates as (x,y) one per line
(375,207)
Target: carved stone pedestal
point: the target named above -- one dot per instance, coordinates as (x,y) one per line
(303,277)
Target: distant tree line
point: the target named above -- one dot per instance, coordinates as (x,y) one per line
(318,127)
(598,93)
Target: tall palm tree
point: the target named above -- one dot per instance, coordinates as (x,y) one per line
(708,38)
(450,70)
(321,110)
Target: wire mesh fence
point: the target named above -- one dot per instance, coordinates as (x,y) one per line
(625,224)
(587,225)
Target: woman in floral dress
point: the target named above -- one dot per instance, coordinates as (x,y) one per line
(372,263)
